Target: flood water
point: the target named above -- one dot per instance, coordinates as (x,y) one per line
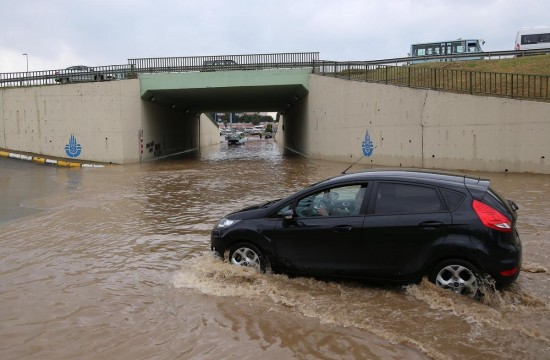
(114,263)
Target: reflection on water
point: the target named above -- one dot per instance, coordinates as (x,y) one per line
(114,263)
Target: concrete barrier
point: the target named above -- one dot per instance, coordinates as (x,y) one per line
(41,160)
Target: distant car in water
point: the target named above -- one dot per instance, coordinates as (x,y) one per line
(268,135)
(235,138)
(258,129)
(225,132)
(79,73)
(383,225)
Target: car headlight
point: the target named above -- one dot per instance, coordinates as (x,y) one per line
(225,223)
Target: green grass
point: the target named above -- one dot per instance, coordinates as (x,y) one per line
(529,65)
(525,77)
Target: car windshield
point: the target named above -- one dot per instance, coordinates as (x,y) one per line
(269,203)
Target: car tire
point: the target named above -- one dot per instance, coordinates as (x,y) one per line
(460,276)
(245,254)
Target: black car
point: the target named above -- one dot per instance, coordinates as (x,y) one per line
(388,225)
(79,73)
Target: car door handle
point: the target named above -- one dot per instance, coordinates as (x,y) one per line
(342,228)
(430,224)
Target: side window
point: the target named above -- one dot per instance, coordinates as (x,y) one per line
(472,47)
(397,198)
(452,198)
(338,201)
(529,39)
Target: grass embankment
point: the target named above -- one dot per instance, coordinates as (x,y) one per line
(529,65)
(525,77)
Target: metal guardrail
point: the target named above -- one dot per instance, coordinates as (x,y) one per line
(51,77)
(533,87)
(225,62)
(486,55)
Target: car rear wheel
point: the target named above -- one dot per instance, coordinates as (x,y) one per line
(459,276)
(248,255)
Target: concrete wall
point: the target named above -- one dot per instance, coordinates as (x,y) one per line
(209,133)
(409,127)
(293,129)
(423,128)
(105,119)
(167,132)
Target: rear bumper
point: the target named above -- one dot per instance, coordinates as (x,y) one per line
(507,269)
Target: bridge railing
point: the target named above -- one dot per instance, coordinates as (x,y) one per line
(533,87)
(157,65)
(51,77)
(225,62)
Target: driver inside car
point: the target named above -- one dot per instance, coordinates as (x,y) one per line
(350,209)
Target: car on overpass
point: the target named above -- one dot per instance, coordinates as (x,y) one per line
(78,73)
(213,65)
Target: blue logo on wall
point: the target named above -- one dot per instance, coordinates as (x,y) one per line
(72,148)
(367,146)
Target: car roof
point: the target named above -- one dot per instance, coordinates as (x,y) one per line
(411,175)
(77,67)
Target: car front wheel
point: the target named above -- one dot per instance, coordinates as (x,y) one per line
(248,255)
(458,275)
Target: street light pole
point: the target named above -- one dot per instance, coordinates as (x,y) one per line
(27,56)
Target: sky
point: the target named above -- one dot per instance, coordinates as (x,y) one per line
(56,34)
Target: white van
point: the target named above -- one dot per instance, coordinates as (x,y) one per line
(258,129)
(533,38)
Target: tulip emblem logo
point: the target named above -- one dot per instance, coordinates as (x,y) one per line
(72,148)
(367,146)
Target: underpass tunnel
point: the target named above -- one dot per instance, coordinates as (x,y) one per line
(175,109)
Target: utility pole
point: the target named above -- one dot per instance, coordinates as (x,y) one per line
(27,56)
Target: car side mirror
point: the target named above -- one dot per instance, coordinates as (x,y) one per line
(288,215)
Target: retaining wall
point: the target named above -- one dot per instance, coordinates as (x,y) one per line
(100,122)
(425,128)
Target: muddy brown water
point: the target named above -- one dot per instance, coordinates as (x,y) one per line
(114,263)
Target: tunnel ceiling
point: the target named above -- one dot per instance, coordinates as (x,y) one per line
(235,91)
(238,99)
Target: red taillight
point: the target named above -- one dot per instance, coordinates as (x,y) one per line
(491,217)
(509,272)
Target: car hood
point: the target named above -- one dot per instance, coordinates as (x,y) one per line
(254,211)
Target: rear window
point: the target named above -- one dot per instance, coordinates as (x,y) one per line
(398,198)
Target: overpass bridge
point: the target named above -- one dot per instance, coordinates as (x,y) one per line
(158,109)
(226,91)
